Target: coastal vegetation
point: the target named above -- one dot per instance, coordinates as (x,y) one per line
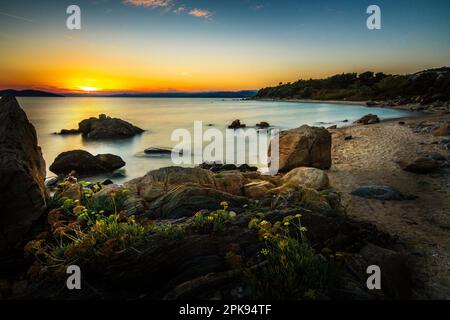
(421,87)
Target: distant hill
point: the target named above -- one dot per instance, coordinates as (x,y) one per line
(28,93)
(210,94)
(422,87)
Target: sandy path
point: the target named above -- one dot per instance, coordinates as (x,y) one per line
(422,225)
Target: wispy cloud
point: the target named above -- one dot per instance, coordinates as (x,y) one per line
(149,3)
(15,17)
(200,13)
(181,9)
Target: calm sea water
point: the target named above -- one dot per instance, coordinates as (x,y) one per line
(160,116)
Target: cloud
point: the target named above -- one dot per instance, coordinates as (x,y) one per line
(180,9)
(149,3)
(200,13)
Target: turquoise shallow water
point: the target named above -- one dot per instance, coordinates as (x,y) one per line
(160,116)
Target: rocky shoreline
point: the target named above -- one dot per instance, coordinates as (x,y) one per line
(344,201)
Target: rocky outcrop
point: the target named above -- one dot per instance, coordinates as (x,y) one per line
(368,119)
(304,147)
(105,127)
(84,163)
(23,194)
(185,200)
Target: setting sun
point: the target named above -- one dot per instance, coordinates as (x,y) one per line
(88,89)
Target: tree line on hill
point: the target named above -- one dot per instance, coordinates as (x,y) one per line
(421,87)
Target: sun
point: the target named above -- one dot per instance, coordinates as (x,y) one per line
(88,89)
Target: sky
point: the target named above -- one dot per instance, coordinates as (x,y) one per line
(184,45)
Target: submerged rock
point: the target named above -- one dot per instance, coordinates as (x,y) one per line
(161,151)
(22,174)
(304,147)
(84,163)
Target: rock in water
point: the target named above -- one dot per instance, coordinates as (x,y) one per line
(368,119)
(304,147)
(84,163)
(236,124)
(105,127)
(22,174)
(386,193)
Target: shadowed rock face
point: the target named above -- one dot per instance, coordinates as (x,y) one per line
(105,127)
(23,195)
(84,163)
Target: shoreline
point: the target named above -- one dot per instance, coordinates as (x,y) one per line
(357,103)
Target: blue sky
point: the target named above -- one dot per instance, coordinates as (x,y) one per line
(206,44)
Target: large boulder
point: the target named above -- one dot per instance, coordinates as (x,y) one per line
(84,163)
(105,127)
(304,147)
(23,195)
(308,177)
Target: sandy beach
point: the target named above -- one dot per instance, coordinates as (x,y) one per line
(422,226)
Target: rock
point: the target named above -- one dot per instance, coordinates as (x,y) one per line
(186,200)
(332,127)
(107,128)
(110,161)
(346,138)
(420,165)
(236,124)
(304,147)
(228,167)
(134,205)
(22,174)
(230,181)
(308,177)
(368,119)
(442,131)
(84,163)
(52,182)
(258,189)
(107,182)
(69,132)
(158,182)
(263,125)
(402,123)
(245,167)
(378,192)
(72,191)
(161,151)
(395,274)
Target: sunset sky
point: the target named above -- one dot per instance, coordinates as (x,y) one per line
(182,45)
